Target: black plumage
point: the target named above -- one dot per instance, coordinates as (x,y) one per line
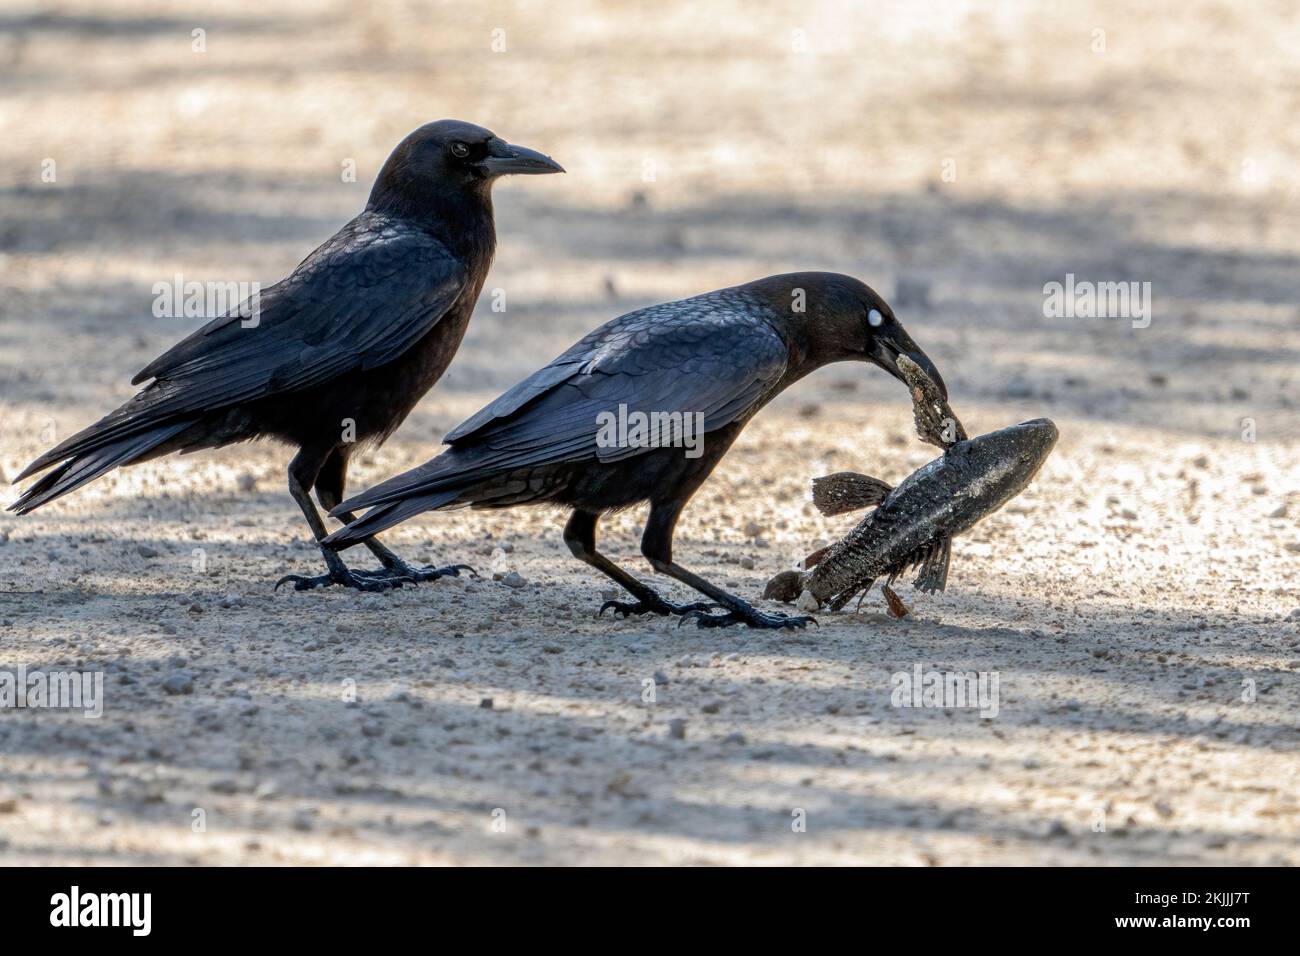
(333,356)
(724,355)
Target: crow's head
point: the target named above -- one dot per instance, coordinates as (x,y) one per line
(840,318)
(452,156)
(885,340)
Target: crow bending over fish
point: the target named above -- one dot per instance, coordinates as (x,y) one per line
(723,355)
(333,356)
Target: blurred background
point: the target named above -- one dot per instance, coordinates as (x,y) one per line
(957,156)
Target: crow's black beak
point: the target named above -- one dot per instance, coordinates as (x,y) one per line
(888,346)
(505,158)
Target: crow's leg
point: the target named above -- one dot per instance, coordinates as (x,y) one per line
(657,546)
(303,470)
(329,492)
(398,570)
(580,536)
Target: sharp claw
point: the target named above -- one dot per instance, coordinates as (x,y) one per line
(703,607)
(381,579)
(626,609)
(373,581)
(616,605)
(300,583)
(755,620)
(428,572)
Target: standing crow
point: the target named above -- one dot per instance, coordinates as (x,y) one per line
(336,354)
(720,356)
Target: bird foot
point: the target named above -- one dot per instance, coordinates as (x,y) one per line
(357,580)
(386,578)
(427,573)
(752,617)
(660,607)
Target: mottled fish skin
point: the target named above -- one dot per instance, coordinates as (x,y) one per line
(935,422)
(917,520)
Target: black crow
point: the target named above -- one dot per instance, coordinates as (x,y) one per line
(715,360)
(333,356)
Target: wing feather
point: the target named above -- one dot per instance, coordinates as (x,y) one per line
(708,355)
(359,301)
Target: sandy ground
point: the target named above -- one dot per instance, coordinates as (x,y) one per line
(1140,603)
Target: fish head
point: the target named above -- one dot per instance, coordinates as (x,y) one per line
(1035,440)
(1002,463)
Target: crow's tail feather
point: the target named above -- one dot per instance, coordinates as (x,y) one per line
(86,467)
(385,516)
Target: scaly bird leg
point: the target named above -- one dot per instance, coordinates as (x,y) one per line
(328,476)
(657,546)
(338,572)
(580,536)
(304,471)
(396,568)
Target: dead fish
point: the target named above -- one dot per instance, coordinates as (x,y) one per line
(914,524)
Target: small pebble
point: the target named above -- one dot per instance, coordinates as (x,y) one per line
(178,682)
(807,602)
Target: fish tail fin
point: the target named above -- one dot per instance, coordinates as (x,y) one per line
(847,491)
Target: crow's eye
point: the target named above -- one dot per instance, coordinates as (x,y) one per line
(459,150)
(874,318)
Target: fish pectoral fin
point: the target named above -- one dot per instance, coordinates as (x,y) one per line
(847,491)
(934,567)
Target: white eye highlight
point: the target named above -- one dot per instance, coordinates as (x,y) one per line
(874,318)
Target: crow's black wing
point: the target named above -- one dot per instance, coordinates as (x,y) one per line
(703,355)
(357,302)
